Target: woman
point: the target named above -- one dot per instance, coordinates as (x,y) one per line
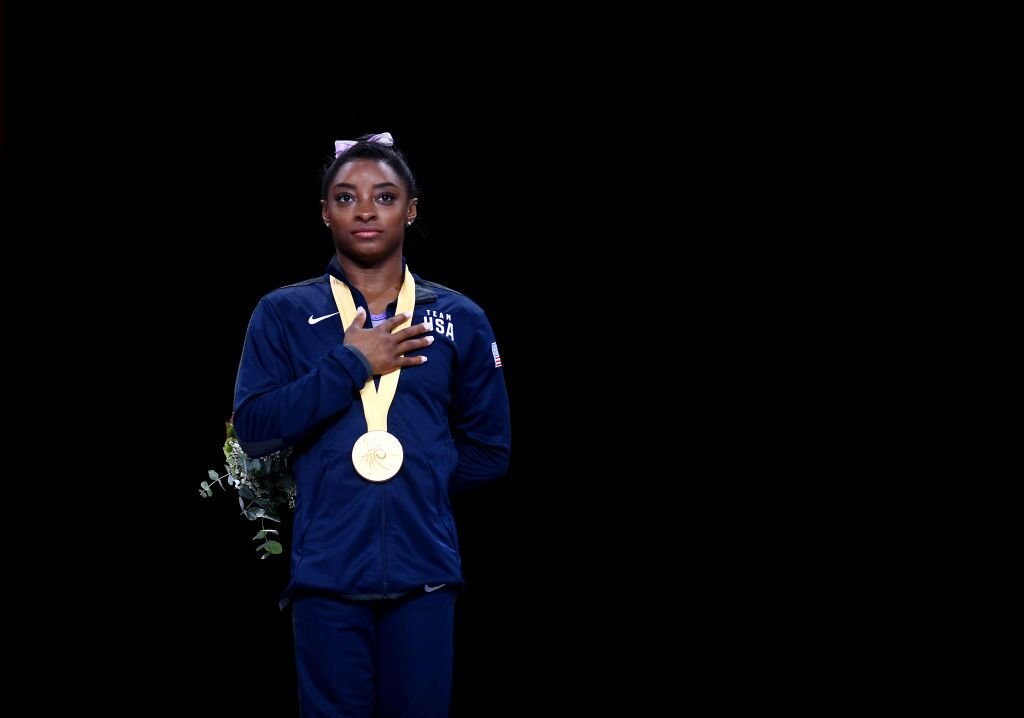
(390,390)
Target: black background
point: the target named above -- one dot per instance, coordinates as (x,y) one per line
(613,229)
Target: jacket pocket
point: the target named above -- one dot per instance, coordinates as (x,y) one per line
(307,502)
(443,509)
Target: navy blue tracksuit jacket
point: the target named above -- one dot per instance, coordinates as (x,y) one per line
(299,386)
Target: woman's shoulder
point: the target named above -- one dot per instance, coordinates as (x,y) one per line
(428,292)
(290,291)
(300,294)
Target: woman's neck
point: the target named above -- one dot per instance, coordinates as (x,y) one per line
(378,284)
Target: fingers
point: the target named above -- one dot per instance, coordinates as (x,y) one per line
(410,332)
(403,363)
(389,325)
(411,345)
(394,321)
(385,351)
(358,320)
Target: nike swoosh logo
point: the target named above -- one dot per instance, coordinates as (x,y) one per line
(430,589)
(320,319)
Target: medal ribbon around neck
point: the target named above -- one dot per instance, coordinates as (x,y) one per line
(377,455)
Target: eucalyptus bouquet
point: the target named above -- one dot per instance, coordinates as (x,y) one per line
(265,488)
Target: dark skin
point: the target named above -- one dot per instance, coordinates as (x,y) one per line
(367,210)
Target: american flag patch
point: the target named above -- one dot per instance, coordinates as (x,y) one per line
(494,351)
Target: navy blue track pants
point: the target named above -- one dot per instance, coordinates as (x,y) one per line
(374,659)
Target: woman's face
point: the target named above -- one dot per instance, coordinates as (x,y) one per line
(367,208)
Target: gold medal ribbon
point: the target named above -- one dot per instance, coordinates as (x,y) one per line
(376,400)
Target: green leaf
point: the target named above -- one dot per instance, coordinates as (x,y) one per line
(212,474)
(256,464)
(270,547)
(205,485)
(259,535)
(246,493)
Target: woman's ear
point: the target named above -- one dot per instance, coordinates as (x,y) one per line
(323,213)
(410,212)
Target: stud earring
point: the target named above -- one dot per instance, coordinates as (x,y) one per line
(409,223)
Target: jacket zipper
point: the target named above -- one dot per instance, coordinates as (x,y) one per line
(383,538)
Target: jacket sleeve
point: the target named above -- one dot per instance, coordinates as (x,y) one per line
(480,414)
(273,407)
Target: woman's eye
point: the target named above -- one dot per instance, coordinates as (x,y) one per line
(387,197)
(344,198)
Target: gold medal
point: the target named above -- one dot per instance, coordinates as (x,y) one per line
(377,455)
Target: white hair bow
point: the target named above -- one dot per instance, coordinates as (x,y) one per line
(383,138)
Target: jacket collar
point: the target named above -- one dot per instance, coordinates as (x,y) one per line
(424,294)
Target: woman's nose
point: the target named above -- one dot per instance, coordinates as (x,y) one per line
(365,209)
